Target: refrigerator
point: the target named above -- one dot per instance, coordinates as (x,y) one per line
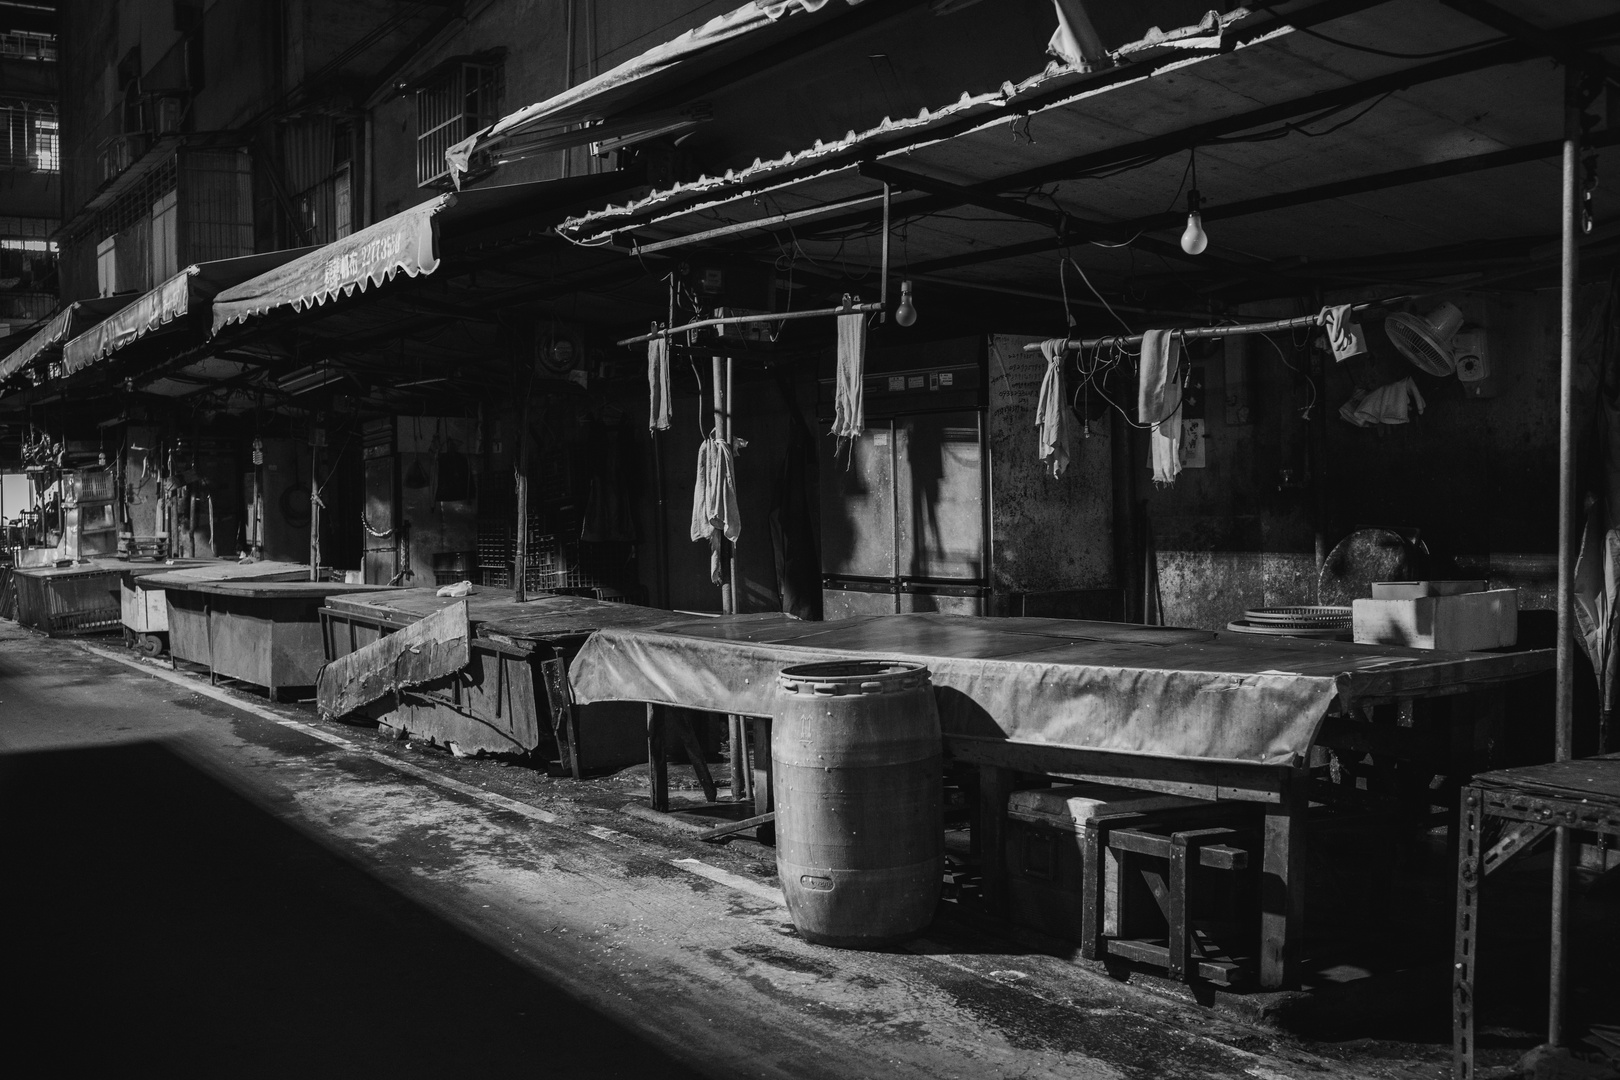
(904,510)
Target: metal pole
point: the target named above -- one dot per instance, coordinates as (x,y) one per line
(734,320)
(520,550)
(314,508)
(883,290)
(717,375)
(1562,854)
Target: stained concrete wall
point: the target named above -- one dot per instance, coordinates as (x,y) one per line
(1474,475)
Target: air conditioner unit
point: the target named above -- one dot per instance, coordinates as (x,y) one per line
(167,114)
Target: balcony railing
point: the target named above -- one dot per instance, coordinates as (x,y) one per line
(24,45)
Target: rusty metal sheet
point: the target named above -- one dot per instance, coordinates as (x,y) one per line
(435,647)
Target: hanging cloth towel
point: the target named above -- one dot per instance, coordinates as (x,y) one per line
(658,384)
(714,500)
(1389,404)
(1052,411)
(1344,335)
(849,411)
(1158,401)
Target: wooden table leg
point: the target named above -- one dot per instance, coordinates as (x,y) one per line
(682,723)
(764,787)
(995,788)
(657,767)
(1282,886)
(1470,872)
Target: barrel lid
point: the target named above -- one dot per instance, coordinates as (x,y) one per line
(835,677)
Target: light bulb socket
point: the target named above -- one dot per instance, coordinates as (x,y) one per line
(1192,201)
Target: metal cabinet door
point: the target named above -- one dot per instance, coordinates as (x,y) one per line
(939,488)
(857,507)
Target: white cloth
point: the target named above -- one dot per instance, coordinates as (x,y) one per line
(1158,401)
(1390,404)
(658,384)
(1052,411)
(714,501)
(849,410)
(1344,335)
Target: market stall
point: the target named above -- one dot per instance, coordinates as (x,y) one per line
(267,633)
(512,694)
(144,607)
(1210,715)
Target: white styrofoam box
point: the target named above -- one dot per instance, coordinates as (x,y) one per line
(1411,590)
(1463,623)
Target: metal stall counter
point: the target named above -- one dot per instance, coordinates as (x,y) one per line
(71,601)
(513,690)
(1212,716)
(267,633)
(145,609)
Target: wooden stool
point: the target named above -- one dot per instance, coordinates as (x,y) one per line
(1171,851)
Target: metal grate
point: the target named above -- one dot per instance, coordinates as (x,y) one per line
(465,99)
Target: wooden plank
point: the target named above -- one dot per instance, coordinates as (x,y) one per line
(738,826)
(682,723)
(1234,780)
(436,647)
(564,725)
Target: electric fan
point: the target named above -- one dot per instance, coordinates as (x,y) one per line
(1427,341)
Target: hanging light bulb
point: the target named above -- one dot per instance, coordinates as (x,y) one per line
(906,313)
(1193,238)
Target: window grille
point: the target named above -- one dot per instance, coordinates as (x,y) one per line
(462,100)
(28,136)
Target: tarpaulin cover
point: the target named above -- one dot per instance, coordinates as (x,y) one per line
(191,288)
(405,242)
(495,613)
(648,75)
(71,321)
(1162,691)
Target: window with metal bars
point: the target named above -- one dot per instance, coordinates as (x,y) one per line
(464,98)
(28,136)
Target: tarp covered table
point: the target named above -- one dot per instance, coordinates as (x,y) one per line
(1220,715)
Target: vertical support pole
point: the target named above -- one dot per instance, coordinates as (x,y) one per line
(883,289)
(717,376)
(1469,876)
(995,788)
(657,765)
(520,548)
(314,508)
(1565,705)
(1282,886)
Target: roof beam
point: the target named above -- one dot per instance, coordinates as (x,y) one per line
(1338,189)
(1545,42)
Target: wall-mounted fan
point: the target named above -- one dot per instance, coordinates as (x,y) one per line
(1427,341)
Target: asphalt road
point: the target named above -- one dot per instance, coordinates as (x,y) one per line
(224,887)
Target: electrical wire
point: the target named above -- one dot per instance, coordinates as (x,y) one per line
(1453,51)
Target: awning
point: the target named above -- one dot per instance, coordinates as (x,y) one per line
(406,242)
(651,75)
(70,322)
(186,292)
(1336,157)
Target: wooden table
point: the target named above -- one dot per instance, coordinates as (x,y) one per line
(515,686)
(1535,800)
(1212,715)
(267,633)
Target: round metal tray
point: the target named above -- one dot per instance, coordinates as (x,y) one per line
(1320,633)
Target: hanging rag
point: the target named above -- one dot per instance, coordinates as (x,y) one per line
(1344,335)
(1158,401)
(658,384)
(849,411)
(714,501)
(1052,410)
(1389,404)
